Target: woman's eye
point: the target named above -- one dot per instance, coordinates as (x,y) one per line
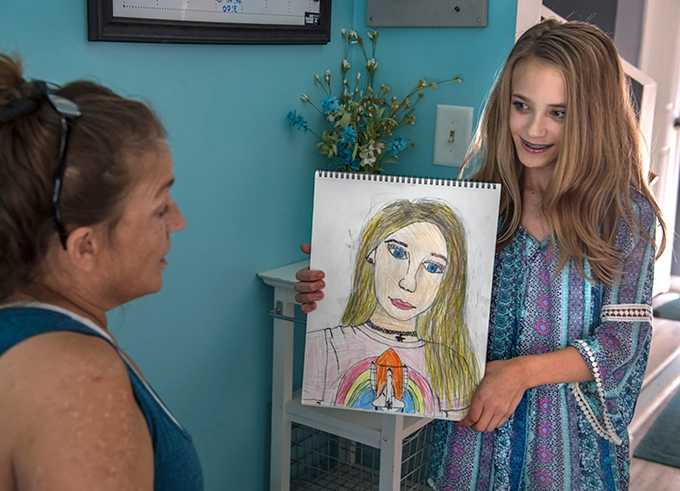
(433,267)
(520,106)
(397,251)
(163,211)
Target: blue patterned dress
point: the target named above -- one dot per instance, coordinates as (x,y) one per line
(549,443)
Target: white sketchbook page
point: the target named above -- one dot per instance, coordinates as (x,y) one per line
(341,209)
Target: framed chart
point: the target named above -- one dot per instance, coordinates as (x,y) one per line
(210,21)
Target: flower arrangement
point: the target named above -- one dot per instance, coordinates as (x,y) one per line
(363,118)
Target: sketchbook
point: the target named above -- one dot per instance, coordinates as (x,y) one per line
(404,323)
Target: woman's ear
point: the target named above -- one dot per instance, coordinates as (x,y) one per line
(82,247)
(370,259)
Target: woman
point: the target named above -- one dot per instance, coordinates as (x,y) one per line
(402,344)
(85,221)
(570,320)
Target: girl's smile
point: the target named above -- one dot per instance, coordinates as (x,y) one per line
(537,113)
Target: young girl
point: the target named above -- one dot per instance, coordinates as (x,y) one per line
(570,320)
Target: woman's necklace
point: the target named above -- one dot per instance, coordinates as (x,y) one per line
(399,335)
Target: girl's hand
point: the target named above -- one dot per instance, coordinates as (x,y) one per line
(498,395)
(309,286)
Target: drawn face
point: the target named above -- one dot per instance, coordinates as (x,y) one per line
(537,113)
(409,267)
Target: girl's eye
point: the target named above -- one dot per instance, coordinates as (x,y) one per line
(397,251)
(559,114)
(520,106)
(433,267)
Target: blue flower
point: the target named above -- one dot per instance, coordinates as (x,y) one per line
(345,154)
(295,120)
(398,145)
(348,135)
(330,104)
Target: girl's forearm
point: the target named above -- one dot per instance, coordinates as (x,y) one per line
(565,365)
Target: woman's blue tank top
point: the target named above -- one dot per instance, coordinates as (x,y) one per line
(176,464)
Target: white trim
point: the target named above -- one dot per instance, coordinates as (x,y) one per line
(528,14)
(607,432)
(105,334)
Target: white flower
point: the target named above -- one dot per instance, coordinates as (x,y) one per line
(345,64)
(371,64)
(370,154)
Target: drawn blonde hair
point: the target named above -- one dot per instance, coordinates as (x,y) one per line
(451,363)
(600,157)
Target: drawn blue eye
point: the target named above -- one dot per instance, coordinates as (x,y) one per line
(434,268)
(397,251)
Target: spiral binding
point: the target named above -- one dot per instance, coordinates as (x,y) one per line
(406,179)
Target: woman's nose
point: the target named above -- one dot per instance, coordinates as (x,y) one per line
(177,221)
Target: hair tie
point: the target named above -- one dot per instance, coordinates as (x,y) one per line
(26,104)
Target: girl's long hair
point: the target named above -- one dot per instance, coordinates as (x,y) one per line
(600,158)
(451,363)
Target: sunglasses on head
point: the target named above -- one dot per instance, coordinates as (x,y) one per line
(68,111)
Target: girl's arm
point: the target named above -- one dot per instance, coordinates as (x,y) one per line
(605,367)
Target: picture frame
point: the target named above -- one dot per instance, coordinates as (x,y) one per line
(161,21)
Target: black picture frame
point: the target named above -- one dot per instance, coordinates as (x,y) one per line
(103,26)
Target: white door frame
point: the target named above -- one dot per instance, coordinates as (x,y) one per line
(530,12)
(660,57)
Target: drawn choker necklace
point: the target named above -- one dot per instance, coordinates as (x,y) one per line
(399,335)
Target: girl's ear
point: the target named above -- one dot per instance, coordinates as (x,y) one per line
(370,259)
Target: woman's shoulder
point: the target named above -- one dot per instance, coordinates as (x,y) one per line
(59,366)
(70,394)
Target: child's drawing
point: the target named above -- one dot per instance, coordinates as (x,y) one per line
(402,344)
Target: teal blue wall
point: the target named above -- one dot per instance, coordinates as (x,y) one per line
(244,181)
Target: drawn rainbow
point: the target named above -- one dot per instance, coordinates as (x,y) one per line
(355,390)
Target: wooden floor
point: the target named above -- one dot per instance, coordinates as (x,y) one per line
(650,476)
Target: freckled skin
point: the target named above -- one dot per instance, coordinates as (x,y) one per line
(68,417)
(74,381)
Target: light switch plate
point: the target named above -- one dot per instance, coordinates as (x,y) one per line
(427,13)
(452,134)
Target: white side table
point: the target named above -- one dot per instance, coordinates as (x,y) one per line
(382,431)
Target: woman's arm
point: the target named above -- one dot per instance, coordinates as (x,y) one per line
(78,426)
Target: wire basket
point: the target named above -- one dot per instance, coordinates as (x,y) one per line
(323,461)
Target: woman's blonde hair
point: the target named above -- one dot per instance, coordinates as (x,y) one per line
(452,365)
(600,159)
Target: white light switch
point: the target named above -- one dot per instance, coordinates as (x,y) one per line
(452,134)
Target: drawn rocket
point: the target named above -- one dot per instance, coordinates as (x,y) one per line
(389,378)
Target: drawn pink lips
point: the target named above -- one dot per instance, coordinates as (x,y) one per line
(401,304)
